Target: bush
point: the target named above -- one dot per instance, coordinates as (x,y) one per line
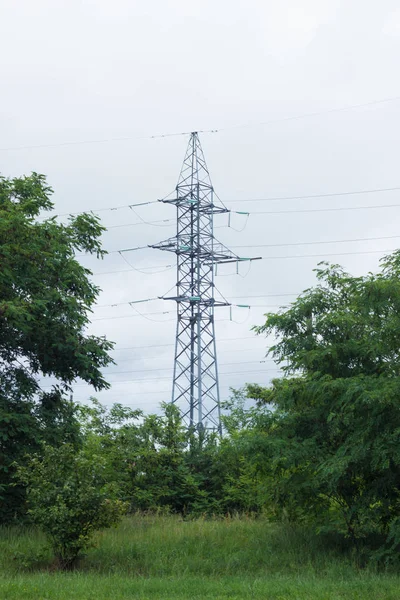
(69,499)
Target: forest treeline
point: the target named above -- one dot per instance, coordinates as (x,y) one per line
(319,446)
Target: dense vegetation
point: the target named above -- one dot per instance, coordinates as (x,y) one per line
(318,451)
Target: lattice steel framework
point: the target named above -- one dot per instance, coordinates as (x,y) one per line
(195,387)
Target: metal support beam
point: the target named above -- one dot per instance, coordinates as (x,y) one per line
(195,387)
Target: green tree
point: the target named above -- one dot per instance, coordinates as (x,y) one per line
(161,477)
(158,465)
(114,434)
(70,499)
(45,298)
(144,455)
(333,436)
(245,486)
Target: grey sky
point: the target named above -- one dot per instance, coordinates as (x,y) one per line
(90,70)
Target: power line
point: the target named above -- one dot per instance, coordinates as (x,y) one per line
(271,212)
(281,245)
(313,243)
(117,251)
(98,141)
(281,258)
(266,295)
(164,378)
(154,380)
(98,210)
(152,299)
(235,339)
(324,255)
(312,114)
(215,130)
(367,239)
(267,199)
(163,267)
(84,398)
(246,296)
(234,297)
(249,362)
(142,222)
(165,312)
(157,356)
(128,303)
(160,268)
(313,196)
(310,210)
(266,306)
(150,406)
(139,223)
(124,381)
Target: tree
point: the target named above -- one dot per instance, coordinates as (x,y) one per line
(144,455)
(160,476)
(45,298)
(333,438)
(115,435)
(69,498)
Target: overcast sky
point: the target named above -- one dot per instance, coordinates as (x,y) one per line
(78,71)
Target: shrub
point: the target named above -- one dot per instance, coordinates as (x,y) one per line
(69,499)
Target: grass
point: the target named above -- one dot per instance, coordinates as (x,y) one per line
(162,558)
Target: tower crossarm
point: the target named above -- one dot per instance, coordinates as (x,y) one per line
(213,252)
(187,201)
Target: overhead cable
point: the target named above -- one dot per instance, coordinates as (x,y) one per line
(215,130)
(316,196)
(266,199)
(325,255)
(155,379)
(230,339)
(333,209)
(249,362)
(345,241)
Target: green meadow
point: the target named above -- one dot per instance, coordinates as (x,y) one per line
(158,558)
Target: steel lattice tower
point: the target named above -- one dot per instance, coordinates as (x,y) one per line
(195,387)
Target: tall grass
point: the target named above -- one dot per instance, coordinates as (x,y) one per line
(166,557)
(165,546)
(154,546)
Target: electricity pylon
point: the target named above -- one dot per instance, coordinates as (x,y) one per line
(195,386)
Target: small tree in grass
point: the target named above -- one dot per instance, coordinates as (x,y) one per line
(69,499)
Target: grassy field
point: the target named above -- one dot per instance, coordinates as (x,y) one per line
(160,558)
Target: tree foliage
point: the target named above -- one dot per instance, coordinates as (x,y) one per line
(70,499)
(333,434)
(45,298)
(160,466)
